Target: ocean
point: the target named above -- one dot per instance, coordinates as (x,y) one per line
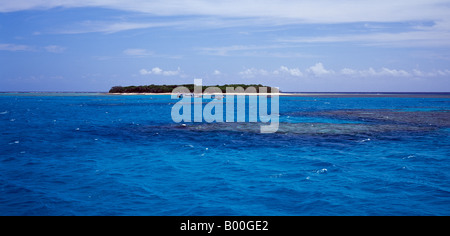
(98,154)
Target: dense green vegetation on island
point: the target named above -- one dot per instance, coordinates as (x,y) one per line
(169,88)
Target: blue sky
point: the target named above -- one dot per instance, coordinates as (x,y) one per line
(311,46)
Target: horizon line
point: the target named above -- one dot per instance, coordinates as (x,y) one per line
(318,92)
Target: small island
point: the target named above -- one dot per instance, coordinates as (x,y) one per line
(164,89)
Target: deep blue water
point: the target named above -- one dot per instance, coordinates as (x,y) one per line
(94,154)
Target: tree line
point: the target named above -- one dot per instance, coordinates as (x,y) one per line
(169,88)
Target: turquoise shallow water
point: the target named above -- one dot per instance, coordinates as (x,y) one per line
(94,154)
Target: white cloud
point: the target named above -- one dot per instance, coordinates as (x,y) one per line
(418,73)
(319,70)
(144,72)
(137,52)
(231,50)
(368,72)
(268,50)
(347,71)
(224,13)
(285,70)
(55,49)
(372,72)
(171,73)
(159,71)
(319,11)
(217,72)
(443,72)
(15,47)
(252,72)
(393,72)
(437,35)
(111,27)
(19,47)
(387,72)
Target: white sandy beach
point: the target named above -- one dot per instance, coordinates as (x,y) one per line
(418,95)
